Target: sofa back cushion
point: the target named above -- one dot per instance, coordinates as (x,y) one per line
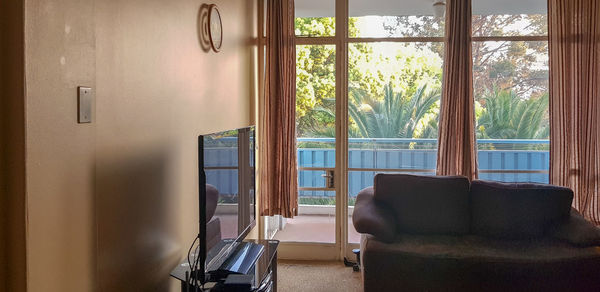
(426,204)
(517,210)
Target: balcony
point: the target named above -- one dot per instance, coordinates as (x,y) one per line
(508,160)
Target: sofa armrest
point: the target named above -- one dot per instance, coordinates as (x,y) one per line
(373,218)
(213,233)
(578,231)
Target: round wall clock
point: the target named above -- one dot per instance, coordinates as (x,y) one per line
(215,28)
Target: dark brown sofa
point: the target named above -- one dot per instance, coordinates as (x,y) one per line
(431,233)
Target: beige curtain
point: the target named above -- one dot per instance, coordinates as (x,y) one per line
(278,181)
(574,31)
(456,143)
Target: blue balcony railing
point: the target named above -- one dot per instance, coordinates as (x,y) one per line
(511,160)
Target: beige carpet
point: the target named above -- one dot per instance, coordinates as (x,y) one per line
(316,276)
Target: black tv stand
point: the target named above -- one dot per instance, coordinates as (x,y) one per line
(250,257)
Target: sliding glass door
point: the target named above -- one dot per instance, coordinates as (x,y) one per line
(395,59)
(368,94)
(314,233)
(316,145)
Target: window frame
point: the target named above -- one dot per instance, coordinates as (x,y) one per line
(525,38)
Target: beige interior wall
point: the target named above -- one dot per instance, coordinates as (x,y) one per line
(113,204)
(12,148)
(59,56)
(157,90)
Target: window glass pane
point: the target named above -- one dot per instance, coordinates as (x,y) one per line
(509,18)
(393,107)
(510,83)
(315,124)
(386,18)
(315,221)
(517,66)
(315,92)
(393,104)
(315,17)
(394,93)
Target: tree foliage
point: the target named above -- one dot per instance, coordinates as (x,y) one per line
(388,81)
(315,82)
(396,115)
(506,116)
(519,66)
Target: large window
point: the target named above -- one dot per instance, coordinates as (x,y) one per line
(510,86)
(384,60)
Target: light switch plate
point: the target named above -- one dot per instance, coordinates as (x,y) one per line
(84,104)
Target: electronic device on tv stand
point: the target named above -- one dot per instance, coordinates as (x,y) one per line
(226,161)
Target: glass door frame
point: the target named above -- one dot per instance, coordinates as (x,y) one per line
(341,248)
(318,250)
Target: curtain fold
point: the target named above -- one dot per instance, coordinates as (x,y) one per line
(278,183)
(574,47)
(457,154)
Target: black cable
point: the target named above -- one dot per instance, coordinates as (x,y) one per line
(187,280)
(196,267)
(192,268)
(190,251)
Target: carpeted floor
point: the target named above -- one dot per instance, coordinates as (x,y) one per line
(316,276)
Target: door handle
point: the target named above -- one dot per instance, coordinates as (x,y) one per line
(329,179)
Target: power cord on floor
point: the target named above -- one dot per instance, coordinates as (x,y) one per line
(355,265)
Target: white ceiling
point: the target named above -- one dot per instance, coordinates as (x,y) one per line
(326,8)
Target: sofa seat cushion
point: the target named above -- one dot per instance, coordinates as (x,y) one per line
(473,247)
(418,262)
(426,204)
(578,231)
(517,210)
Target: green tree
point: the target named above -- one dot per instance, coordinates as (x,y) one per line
(315,82)
(515,65)
(417,26)
(315,77)
(506,116)
(406,65)
(519,66)
(314,26)
(397,115)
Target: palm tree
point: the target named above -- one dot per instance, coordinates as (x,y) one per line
(394,116)
(506,116)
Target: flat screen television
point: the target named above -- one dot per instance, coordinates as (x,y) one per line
(226,203)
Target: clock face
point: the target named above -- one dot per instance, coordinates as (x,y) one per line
(215,29)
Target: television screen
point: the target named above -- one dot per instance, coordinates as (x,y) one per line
(229,169)
(227,192)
